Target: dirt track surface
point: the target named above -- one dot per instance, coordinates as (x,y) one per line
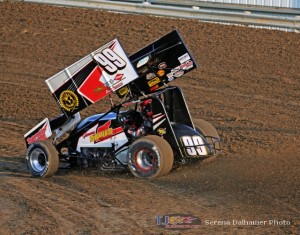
(247,85)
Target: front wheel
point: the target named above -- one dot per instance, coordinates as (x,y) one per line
(150,156)
(42,159)
(210,133)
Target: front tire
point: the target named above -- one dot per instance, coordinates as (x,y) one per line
(150,157)
(42,159)
(209,131)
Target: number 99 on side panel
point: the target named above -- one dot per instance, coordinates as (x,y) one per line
(194,146)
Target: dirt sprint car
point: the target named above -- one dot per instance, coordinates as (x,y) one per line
(148,131)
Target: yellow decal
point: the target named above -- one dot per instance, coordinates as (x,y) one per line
(68,100)
(162,131)
(101,135)
(153,82)
(98,89)
(123,91)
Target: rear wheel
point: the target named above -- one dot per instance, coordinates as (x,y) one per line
(210,132)
(150,156)
(42,159)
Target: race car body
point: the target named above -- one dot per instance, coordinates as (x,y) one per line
(149,131)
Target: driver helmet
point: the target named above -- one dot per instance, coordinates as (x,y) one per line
(146,107)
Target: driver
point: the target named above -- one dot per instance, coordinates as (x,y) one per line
(140,127)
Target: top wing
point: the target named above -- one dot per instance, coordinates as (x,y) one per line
(108,69)
(92,78)
(159,63)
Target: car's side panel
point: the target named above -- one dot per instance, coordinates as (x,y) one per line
(172,120)
(41,131)
(105,133)
(176,106)
(191,142)
(162,126)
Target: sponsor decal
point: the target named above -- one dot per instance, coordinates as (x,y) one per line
(154,88)
(178,73)
(179,70)
(153,82)
(68,100)
(103,132)
(170,77)
(118,86)
(178,221)
(162,65)
(160,73)
(93,88)
(187,65)
(142,62)
(123,91)
(40,135)
(101,135)
(98,89)
(162,131)
(119,77)
(86,134)
(184,58)
(143,70)
(175,70)
(149,76)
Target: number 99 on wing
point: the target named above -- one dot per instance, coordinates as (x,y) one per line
(110,61)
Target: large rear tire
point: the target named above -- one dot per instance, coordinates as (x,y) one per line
(209,131)
(42,159)
(150,157)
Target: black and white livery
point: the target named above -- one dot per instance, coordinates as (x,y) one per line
(148,132)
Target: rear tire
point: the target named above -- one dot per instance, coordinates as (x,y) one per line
(42,159)
(150,157)
(207,129)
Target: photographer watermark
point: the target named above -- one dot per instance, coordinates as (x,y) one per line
(244,222)
(187,221)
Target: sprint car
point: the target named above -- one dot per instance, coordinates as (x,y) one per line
(148,131)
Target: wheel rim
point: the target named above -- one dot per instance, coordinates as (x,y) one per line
(38,160)
(145,160)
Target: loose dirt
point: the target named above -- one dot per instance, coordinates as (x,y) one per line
(247,85)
